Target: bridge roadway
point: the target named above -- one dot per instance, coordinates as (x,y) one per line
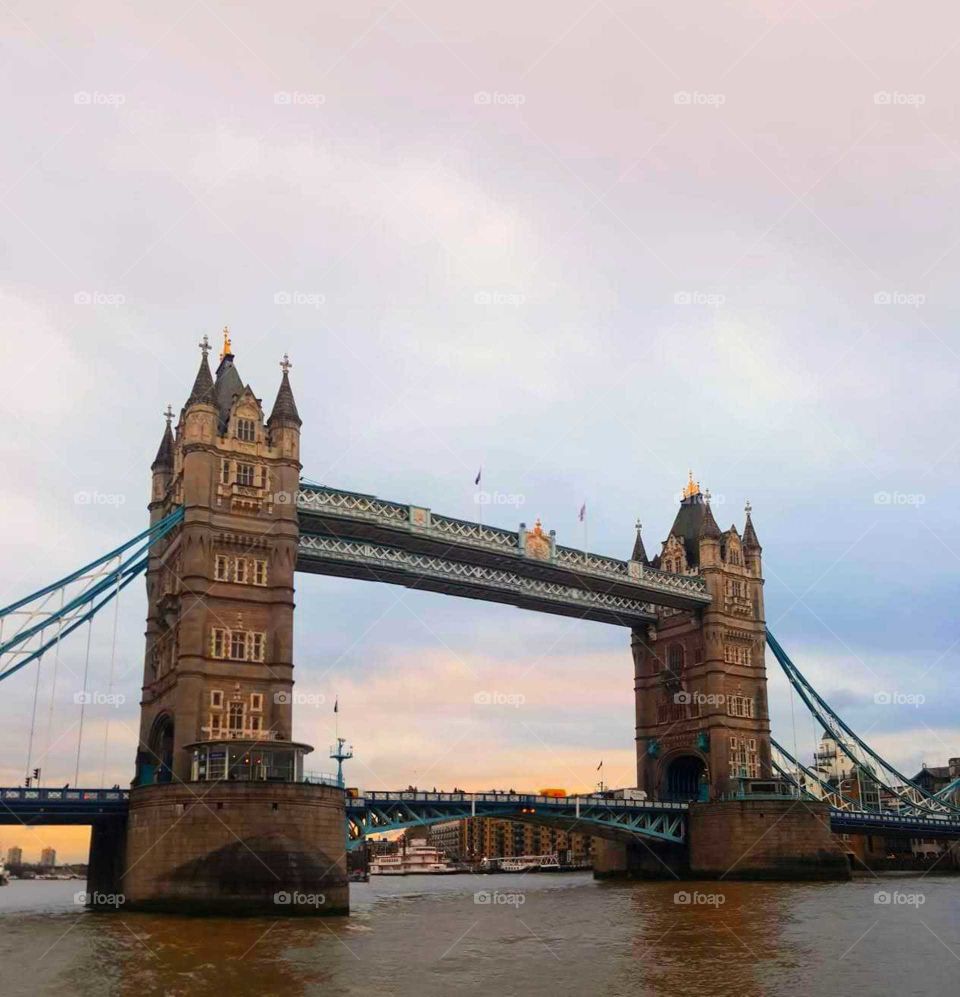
(376,812)
(360,536)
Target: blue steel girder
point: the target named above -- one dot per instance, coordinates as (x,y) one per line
(377,813)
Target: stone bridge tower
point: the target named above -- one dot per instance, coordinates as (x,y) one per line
(221,818)
(700,679)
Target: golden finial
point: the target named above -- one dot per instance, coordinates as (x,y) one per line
(692,488)
(227,349)
(538,528)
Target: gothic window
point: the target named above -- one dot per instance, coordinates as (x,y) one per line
(215,724)
(675,659)
(256,646)
(744,761)
(736,654)
(259,572)
(224,472)
(222,572)
(246,430)
(240,570)
(218,643)
(740,706)
(245,474)
(238,645)
(235,718)
(255,725)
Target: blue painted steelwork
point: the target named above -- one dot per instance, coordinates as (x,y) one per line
(912,796)
(19,805)
(96,595)
(379,812)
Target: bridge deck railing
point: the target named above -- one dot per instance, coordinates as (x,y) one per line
(67,795)
(416,796)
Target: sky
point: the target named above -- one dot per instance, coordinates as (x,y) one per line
(585,246)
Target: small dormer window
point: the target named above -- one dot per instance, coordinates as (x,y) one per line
(246,430)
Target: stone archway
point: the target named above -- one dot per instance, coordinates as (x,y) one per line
(160,748)
(682,779)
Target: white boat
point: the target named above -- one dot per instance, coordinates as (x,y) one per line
(416,859)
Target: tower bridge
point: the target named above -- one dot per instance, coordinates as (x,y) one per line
(220,815)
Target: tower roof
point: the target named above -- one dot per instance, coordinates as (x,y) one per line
(639,551)
(164,458)
(285,408)
(749,533)
(708,525)
(202,391)
(689,520)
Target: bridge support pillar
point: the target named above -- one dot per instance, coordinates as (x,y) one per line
(638,860)
(237,848)
(106,862)
(774,839)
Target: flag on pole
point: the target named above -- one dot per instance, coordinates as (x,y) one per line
(336,705)
(600,766)
(583,512)
(476,480)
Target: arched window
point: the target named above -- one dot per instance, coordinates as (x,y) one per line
(675,658)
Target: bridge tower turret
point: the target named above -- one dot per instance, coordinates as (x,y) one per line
(216,706)
(700,677)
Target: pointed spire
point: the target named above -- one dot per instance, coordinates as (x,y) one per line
(749,533)
(285,408)
(164,458)
(203,386)
(708,526)
(639,551)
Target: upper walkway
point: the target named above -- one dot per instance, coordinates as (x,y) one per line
(361,536)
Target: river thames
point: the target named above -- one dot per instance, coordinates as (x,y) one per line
(507,934)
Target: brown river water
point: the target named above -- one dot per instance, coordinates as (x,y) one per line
(507,934)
